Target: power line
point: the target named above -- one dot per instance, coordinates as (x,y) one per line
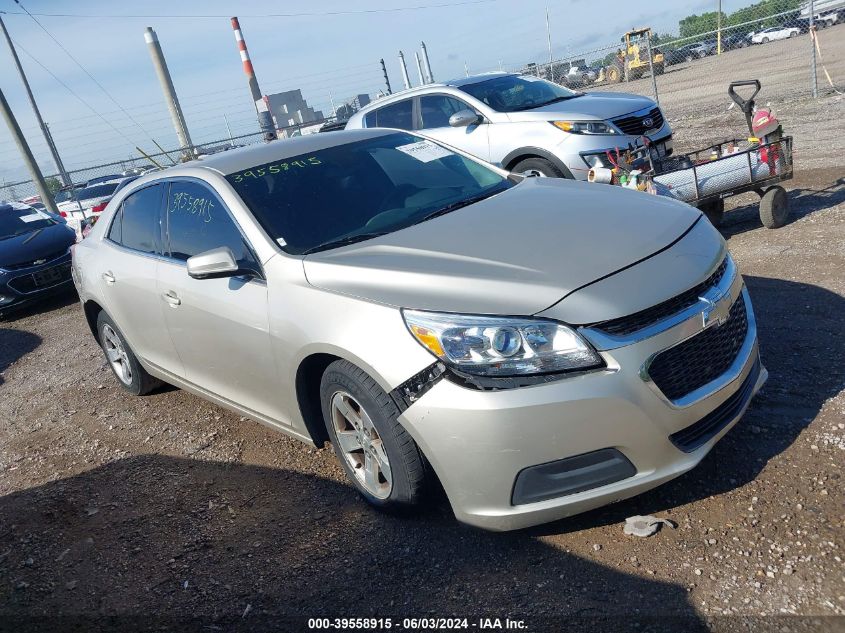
(68,88)
(90,76)
(252,15)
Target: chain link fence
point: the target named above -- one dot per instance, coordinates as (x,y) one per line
(797,54)
(794,47)
(25,189)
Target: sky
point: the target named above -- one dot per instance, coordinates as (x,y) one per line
(330,50)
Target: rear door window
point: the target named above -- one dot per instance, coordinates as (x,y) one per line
(398,115)
(139,225)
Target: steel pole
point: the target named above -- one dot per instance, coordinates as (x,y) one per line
(814,77)
(651,67)
(405,79)
(426,64)
(419,68)
(26,154)
(549,37)
(47,136)
(170,97)
(719,28)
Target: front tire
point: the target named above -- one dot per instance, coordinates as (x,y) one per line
(122,360)
(537,168)
(378,455)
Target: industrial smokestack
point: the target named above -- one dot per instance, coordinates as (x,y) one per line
(265,120)
(419,69)
(405,79)
(426,64)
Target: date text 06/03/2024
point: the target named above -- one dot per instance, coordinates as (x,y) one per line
(417,624)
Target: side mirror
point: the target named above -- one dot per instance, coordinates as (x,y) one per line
(213,264)
(465,118)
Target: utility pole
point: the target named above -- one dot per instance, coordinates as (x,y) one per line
(44,129)
(549,37)
(170,97)
(265,119)
(26,154)
(814,77)
(426,64)
(405,79)
(719,28)
(386,78)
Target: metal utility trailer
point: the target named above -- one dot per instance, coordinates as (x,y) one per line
(704,178)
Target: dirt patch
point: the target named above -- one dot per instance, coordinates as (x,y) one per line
(167,506)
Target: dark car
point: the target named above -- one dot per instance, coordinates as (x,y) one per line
(681,55)
(34,255)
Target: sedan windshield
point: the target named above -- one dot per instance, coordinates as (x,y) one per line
(356,191)
(513,93)
(97,191)
(20,220)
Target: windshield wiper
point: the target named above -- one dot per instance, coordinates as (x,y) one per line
(457,205)
(343,241)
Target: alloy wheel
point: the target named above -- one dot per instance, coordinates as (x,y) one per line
(116,354)
(360,445)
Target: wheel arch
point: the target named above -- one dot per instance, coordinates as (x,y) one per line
(92,310)
(523,153)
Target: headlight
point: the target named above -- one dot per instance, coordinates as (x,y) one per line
(494,346)
(584,127)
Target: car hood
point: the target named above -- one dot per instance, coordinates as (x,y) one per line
(590,106)
(517,252)
(43,243)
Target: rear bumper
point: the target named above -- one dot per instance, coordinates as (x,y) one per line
(479,442)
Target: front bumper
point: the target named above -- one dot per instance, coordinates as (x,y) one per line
(478,442)
(576,151)
(26,285)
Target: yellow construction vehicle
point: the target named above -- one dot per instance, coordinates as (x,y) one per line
(632,61)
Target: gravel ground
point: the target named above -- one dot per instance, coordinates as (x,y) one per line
(167,506)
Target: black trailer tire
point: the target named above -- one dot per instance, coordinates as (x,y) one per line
(774,208)
(366,410)
(122,360)
(715,212)
(537,168)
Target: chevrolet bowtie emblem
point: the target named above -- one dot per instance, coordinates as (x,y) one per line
(716,311)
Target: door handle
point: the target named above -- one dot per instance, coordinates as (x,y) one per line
(171,298)
(108,277)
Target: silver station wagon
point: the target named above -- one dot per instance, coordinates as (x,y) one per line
(540,346)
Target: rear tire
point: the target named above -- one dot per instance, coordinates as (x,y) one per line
(774,208)
(378,455)
(538,168)
(122,360)
(659,69)
(793,34)
(765,40)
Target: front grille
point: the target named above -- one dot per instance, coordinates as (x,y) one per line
(644,318)
(634,125)
(697,435)
(27,283)
(32,262)
(682,369)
